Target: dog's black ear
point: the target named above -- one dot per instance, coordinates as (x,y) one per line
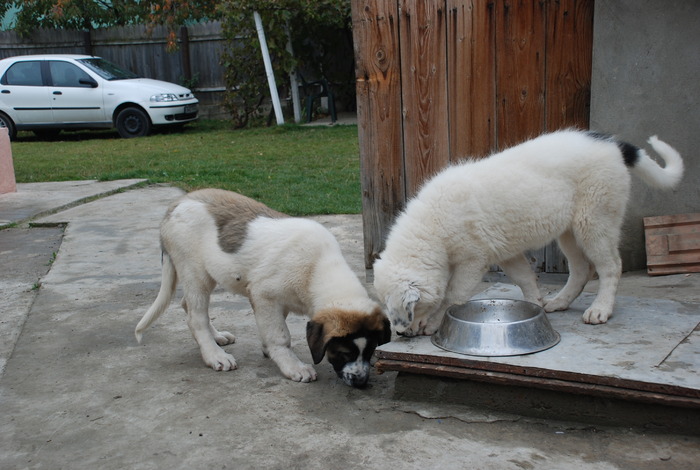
(379,326)
(314,336)
(386,332)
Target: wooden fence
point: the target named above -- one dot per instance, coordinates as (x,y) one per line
(195,64)
(443,79)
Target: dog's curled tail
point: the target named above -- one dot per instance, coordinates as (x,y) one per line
(167,287)
(652,173)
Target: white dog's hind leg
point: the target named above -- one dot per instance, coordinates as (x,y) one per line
(519,271)
(601,248)
(196,304)
(580,272)
(609,267)
(277,341)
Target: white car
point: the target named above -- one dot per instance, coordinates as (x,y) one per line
(47,93)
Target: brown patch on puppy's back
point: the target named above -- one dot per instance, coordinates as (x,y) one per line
(232,213)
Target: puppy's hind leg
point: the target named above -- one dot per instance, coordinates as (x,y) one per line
(519,271)
(277,341)
(580,272)
(196,304)
(605,257)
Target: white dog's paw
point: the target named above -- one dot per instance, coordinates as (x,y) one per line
(430,331)
(432,325)
(535,300)
(556,304)
(408,332)
(220,361)
(224,337)
(300,373)
(430,328)
(594,316)
(424,327)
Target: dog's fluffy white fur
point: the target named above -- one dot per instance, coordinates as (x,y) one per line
(282,264)
(568,185)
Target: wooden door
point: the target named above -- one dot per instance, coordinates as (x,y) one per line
(441,80)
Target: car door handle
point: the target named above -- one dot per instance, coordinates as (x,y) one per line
(57,93)
(5,92)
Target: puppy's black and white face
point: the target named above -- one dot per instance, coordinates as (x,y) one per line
(351,357)
(348,340)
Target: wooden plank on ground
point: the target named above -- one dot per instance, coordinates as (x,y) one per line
(672,244)
(551,383)
(633,356)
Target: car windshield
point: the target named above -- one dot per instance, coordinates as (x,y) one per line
(107,70)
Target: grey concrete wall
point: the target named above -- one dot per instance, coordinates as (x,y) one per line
(646,81)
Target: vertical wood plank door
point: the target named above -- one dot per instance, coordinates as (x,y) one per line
(471,77)
(520,66)
(569,59)
(380,125)
(423,90)
(443,80)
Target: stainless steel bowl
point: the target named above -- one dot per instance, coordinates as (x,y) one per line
(495,327)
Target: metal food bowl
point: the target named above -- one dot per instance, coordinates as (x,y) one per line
(495,327)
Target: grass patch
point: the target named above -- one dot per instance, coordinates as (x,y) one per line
(299,170)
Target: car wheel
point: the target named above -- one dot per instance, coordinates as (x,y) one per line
(7,123)
(132,122)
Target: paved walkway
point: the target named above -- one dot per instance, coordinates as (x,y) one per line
(77,391)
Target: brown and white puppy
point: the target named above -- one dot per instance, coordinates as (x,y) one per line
(281,264)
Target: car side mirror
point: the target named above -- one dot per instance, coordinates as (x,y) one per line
(88,81)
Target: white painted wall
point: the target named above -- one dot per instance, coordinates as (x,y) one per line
(646,81)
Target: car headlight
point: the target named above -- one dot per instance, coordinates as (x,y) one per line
(164,97)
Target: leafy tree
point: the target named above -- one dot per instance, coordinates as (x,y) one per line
(89,14)
(70,14)
(320,34)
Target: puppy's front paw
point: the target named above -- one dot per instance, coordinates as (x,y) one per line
(432,325)
(555,305)
(420,330)
(594,316)
(427,330)
(408,333)
(220,361)
(224,337)
(302,373)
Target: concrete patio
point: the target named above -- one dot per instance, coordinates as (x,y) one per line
(76,391)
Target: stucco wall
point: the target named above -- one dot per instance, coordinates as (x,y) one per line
(646,81)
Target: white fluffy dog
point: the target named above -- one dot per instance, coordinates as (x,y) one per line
(568,185)
(282,264)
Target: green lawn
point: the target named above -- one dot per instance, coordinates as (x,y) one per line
(299,170)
